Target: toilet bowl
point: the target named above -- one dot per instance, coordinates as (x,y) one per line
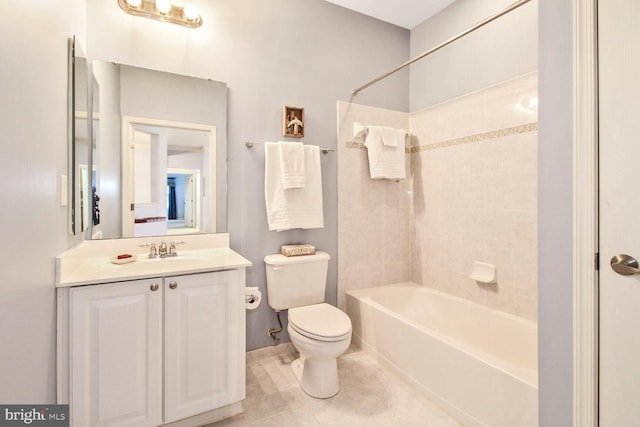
(320,333)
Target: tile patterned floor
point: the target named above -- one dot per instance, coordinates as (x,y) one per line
(370,395)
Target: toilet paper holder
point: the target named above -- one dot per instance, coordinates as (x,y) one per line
(252,297)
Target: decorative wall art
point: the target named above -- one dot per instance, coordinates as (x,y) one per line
(293,121)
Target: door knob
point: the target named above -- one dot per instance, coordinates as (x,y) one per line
(625,265)
(173,285)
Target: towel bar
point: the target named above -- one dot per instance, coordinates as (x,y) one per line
(324,150)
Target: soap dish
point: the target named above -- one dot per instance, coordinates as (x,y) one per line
(484,273)
(126,260)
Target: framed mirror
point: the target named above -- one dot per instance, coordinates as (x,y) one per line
(160,153)
(79,147)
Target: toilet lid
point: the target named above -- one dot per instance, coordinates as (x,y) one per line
(322,322)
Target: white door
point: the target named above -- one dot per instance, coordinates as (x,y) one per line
(619,81)
(189,201)
(202,367)
(116,354)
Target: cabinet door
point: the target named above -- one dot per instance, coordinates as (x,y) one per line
(116,354)
(202,325)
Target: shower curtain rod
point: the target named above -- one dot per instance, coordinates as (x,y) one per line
(443,44)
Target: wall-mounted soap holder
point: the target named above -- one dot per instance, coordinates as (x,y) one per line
(484,273)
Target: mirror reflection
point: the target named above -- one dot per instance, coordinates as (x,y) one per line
(160,155)
(79,158)
(169,167)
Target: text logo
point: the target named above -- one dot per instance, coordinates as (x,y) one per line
(36,415)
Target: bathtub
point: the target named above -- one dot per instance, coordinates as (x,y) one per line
(478,364)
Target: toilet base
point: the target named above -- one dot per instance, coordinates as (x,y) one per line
(317,378)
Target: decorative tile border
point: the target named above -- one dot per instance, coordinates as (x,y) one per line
(494,134)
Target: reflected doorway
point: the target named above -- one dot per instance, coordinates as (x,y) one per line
(170,171)
(183,196)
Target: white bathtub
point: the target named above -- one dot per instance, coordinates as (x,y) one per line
(477,363)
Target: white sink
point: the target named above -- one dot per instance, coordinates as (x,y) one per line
(81,266)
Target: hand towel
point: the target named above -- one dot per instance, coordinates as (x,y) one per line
(385,161)
(294,207)
(393,137)
(373,135)
(292,162)
(389,136)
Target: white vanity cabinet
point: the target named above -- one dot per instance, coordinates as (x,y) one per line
(203,361)
(154,351)
(154,341)
(115,337)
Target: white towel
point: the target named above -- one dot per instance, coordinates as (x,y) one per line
(385,161)
(389,137)
(373,135)
(393,137)
(293,207)
(292,162)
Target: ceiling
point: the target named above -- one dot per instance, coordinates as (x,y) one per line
(403,13)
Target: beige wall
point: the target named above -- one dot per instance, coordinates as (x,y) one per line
(472,196)
(475,195)
(374,216)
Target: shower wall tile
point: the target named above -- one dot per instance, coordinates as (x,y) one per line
(471,196)
(374,216)
(475,195)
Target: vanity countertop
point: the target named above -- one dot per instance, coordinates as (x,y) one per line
(91,261)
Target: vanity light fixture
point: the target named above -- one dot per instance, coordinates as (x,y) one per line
(163,6)
(163,10)
(191,11)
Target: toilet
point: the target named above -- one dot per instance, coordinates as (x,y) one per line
(319,331)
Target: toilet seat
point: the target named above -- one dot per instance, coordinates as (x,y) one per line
(322,322)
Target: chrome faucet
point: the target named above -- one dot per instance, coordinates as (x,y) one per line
(172,248)
(153,252)
(162,251)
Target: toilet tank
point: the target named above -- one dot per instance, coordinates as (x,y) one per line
(296,281)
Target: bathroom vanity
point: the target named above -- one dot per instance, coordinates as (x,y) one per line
(154,341)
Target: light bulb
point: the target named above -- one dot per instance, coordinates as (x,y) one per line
(191,11)
(134,3)
(163,6)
